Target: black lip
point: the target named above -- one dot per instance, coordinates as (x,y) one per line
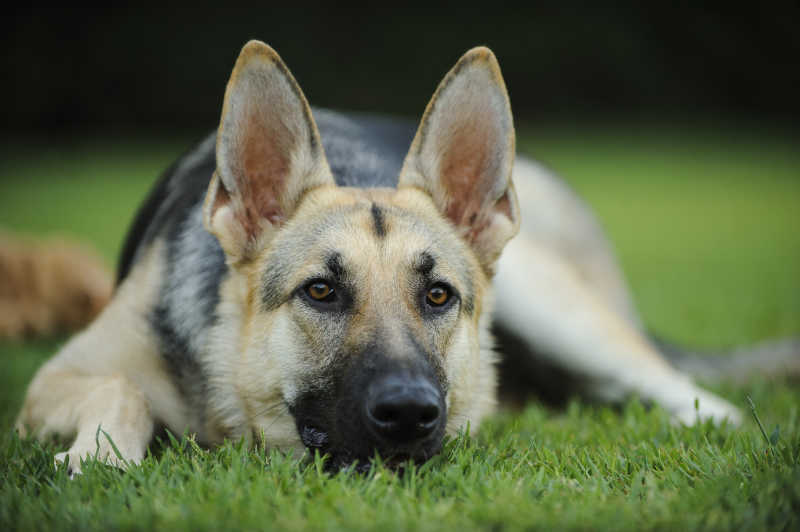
(316,439)
(338,460)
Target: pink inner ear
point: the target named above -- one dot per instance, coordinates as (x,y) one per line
(469,171)
(503,206)
(265,162)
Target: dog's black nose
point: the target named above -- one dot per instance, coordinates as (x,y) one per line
(404,409)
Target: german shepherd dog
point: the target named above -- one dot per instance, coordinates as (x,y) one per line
(326,281)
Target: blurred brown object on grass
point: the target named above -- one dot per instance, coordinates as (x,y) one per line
(49,286)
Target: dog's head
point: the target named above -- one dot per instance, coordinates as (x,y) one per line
(363,313)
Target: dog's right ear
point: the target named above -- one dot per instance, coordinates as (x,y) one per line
(268,154)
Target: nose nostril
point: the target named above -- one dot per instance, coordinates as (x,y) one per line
(386,413)
(428,414)
(392,413)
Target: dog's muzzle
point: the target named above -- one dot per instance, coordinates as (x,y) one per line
(375,404)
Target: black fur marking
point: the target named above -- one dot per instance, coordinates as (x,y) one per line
(526,375)
(426,263)
(377,218)
(331,416)
(364,150)
(178,191)
(175,350)
(187,304)
(336,268)
(135,238)
(313,438)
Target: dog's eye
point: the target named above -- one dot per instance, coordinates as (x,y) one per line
(320,291)
(437,295)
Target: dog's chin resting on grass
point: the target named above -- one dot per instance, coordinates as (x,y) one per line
(48,287)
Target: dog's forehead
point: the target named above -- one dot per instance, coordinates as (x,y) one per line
(358,223)
(367,231)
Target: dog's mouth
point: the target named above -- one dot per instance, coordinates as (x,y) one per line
(364,454)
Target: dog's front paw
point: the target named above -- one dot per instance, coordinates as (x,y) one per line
(76,455)
(73,463)
(707,406)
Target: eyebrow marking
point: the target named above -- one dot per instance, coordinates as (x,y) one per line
(426,263)
(377,218)
(335,267)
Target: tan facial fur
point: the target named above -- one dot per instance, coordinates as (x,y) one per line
(288,347)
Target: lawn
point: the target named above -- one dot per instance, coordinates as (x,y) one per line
(706,223)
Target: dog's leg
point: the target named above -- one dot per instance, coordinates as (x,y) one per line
(541,298)
(94,408)
(110,376)
(558,219)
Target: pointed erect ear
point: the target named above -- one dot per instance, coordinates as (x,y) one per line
(268,154)
(463,153)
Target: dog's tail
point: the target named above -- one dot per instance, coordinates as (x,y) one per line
(773,358)
(49,287)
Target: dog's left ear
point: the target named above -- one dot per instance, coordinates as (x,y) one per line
(463,153)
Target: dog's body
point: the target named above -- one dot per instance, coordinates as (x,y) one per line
(311,297)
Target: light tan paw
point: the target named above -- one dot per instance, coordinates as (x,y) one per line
(706,407)
(104,454)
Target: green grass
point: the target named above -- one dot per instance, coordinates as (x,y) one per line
(706,225)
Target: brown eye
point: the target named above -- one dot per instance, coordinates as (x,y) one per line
(319,291)
(438,296)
